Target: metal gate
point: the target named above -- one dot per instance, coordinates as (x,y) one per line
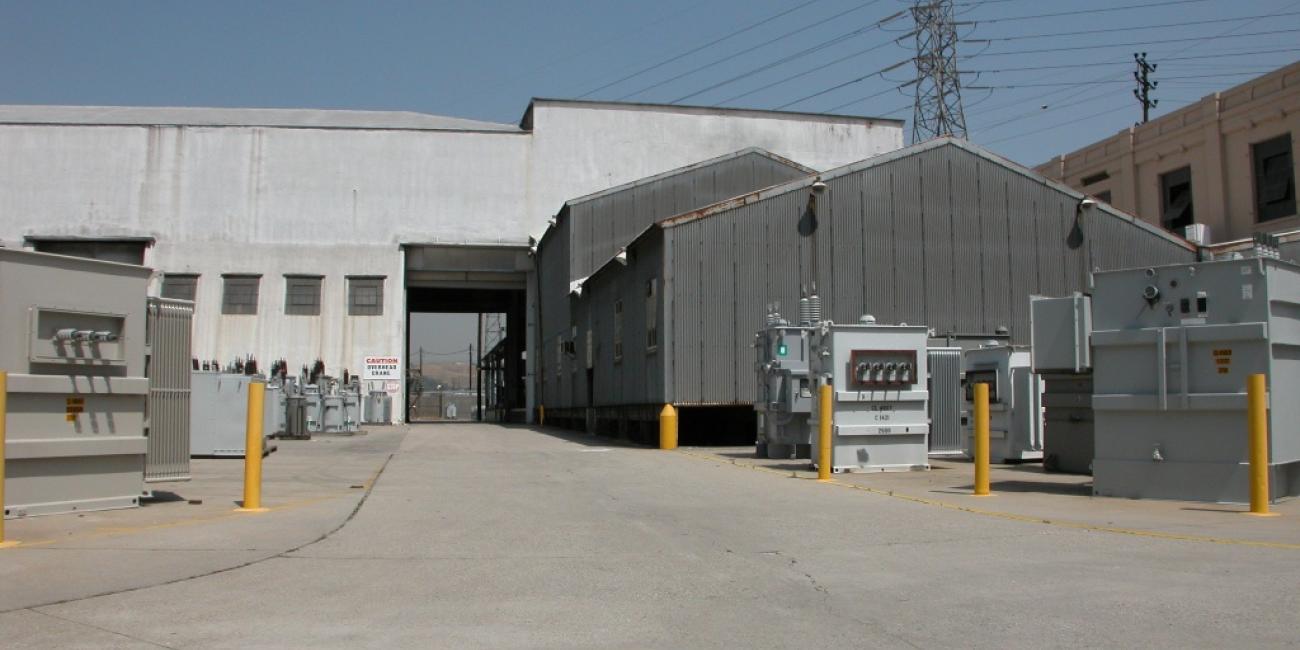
(167,417)
(945,401)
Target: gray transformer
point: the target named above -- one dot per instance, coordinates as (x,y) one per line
(1172,349)
(785,392)
(378,408)
(74,347)
(1015,403)
(878,375)
(1061,353)
(219,414)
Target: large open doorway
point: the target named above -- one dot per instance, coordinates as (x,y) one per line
(466,324)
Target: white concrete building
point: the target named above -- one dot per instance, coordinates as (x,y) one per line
(306,234)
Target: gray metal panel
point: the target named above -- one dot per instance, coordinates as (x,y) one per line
(878,263)
(910,266)
(718,308)
(1023,219)
(945,401)
(615,217)
(936,214)
(968,248)
(844,302)
(168,411)
(687,344)
(996,246)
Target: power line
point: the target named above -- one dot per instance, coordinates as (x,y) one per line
(1091,11)
(1089,64)
(1107,30)
(750,49)
(1096,46)
(817,68)
(1110,81)
(700,48)
(854,81)
(791,57)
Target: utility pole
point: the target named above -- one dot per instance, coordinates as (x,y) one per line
(1145,86)
(937,110)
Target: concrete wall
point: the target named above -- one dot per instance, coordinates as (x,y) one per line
(1213,137)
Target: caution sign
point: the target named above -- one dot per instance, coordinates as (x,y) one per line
(383,368)
(73,407)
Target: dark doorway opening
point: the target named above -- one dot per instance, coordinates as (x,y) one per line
(493,388)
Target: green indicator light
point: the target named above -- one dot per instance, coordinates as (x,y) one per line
(781,350)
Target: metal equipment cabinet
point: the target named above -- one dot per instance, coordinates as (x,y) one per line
(785,393)
(946,434)
(219,414)
(878,377)
(73,345)
(1172,348)
(1015,403)
(1061,354)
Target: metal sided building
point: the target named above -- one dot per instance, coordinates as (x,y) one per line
(591,230)
(942,234)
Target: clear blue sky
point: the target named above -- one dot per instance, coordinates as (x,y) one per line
(484,59)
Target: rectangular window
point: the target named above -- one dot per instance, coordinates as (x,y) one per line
(239,293)
(618,331)
(1103,196)
(302,295)
(1274,178)
(1095,178)
(365,295)
(181,286)
(652,314)
(1176,199)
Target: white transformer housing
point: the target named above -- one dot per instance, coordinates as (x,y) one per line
(1015,403)
(878,376)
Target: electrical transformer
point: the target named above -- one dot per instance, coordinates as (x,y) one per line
(785,393)
(878,375)
(1172,348)
(1061,354)
(74,347)
(378,407)
(219,414)
(1015,403)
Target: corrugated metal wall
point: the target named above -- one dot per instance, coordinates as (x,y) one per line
(606,222)
(942,236)
(168,332)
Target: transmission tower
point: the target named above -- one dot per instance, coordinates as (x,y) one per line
(937,111)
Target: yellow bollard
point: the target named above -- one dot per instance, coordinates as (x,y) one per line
(1257,425)
(541,415)
(668,428)
(4,415)
(253,449)
(824,414)
(981,440)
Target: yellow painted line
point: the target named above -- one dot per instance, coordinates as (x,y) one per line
(1077,525)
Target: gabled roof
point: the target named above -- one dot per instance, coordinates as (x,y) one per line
(884,159)
(907,152)
(302,118)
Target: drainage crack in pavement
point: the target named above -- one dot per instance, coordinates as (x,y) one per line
(1009,516)
(370,486)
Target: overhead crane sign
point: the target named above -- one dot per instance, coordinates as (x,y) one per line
(382,368)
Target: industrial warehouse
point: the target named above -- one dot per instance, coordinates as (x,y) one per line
(646,365)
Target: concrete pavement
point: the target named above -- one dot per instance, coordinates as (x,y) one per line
(500,537)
